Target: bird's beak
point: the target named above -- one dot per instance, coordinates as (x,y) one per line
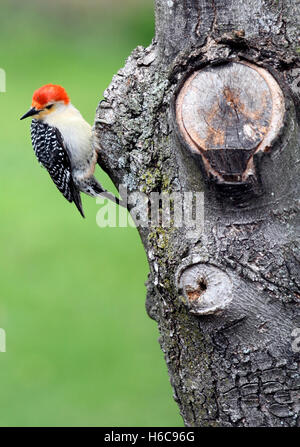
(32,111)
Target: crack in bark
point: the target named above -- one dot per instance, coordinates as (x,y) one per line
(214,22)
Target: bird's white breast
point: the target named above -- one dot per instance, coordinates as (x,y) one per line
(76,132)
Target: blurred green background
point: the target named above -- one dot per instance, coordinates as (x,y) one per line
(81,350)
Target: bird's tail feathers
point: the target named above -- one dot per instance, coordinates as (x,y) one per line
(77,199)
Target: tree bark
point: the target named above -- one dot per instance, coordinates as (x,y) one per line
(226,300)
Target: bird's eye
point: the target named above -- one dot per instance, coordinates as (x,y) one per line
(49,106)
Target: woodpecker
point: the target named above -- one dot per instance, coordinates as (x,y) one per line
(62,142)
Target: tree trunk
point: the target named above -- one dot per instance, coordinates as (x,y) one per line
(211,106)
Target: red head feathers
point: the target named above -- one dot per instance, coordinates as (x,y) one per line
(49,93)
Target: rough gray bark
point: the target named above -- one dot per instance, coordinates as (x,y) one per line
(238,366)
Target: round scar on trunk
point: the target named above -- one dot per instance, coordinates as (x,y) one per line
(206,289)
(228,113)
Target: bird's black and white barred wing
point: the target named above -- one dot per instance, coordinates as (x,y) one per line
(50,151)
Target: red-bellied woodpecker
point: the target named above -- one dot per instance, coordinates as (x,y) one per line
(62,142)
